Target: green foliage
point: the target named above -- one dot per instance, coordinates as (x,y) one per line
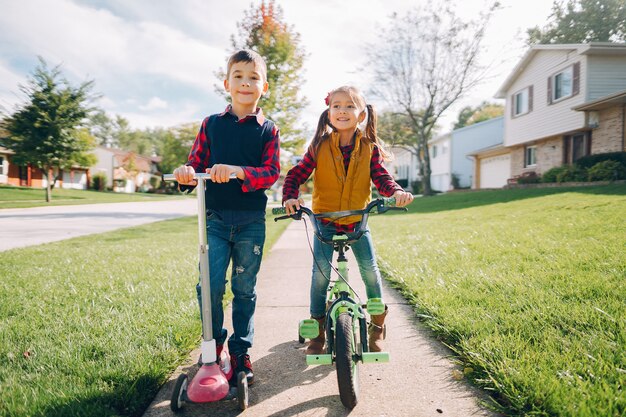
(99,181)
(263,30)
(472,115)
(607,171)
(572,173)
(590,160)
(582,21)
(175,145)
(43,131)
(552,174)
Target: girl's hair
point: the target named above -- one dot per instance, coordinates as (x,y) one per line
(324,128)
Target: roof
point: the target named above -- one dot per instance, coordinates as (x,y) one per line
(611,100)
(490,150)
(592,48)
(6,151)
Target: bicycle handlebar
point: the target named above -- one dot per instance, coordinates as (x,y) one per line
(382,205)
(196,176)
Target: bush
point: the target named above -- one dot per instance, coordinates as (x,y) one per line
(529,178)
(416,187)
(552,174)
(572,173)
(590,160)
(608,170)
(99,181)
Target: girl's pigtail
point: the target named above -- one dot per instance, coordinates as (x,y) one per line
(371,132)
(320,133)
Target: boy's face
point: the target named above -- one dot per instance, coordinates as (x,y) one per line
(246,83)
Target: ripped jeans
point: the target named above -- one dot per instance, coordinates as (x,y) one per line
(244,246)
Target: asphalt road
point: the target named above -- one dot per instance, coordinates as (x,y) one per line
(34,226)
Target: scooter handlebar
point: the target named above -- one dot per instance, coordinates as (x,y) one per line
(196,176)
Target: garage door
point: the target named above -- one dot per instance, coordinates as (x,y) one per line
(494,171)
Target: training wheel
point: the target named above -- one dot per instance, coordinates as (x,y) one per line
(178,397)
(242,390)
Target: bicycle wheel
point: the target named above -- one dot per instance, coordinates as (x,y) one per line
(347,368)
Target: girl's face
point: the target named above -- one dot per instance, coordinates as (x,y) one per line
(344,113)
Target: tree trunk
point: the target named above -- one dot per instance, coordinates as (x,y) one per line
(48,185)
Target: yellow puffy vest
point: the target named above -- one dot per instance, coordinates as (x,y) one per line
(334,189)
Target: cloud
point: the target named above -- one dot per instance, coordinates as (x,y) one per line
(154,104)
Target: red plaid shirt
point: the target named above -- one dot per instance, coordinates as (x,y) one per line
(261,177)
(298,175)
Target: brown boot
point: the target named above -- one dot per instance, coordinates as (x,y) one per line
(377,331)
(316,345)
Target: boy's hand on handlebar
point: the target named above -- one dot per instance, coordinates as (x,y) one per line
(221,172)
(402,198)
(292,205)
(184,175)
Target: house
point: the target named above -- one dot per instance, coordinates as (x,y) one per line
(29,176)
(452,156)
(564,102)
(126,171)
(403,166)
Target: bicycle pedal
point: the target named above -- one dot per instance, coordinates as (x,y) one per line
(309,328)
(375,306)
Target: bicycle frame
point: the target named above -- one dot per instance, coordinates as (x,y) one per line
(340,296)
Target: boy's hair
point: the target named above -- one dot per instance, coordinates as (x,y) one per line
(247,55)
(324,128)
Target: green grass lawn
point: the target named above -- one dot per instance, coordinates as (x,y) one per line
(21,197)
(93,326)
(528,287)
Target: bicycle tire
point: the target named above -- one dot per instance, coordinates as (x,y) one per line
(347,368)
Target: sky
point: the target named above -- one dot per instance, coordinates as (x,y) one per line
(154,62)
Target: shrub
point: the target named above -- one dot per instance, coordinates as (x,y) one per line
(528,178)
(99,181)
(590,160)
(608,170)
(416,187)
(552,174)
(572,173)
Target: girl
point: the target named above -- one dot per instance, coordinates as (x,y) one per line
(346,160)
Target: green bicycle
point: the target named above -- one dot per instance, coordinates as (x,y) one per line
(345,320)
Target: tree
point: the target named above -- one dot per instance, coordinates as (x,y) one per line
(582,21)
(425,61)
(175,144)
(263,30)
(44,131)
(470,115)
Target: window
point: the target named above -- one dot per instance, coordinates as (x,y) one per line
(575,147)
(564,84)
(520,102)
(530,156)
(2,166)
(435,151)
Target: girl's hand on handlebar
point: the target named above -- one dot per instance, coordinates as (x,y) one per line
(402,198)
(184,175)
(292,205)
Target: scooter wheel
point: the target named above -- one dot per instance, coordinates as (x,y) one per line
(178,397)
(242,390)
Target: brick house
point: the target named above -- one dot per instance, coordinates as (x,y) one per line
(564,102)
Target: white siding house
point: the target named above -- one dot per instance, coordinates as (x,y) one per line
(403,166)
(542,127)
(452,156)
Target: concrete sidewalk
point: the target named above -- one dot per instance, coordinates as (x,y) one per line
(418,381)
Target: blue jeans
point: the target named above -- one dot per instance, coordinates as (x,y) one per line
(365,255)
(244,246)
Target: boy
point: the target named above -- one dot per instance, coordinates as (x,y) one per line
(237,141)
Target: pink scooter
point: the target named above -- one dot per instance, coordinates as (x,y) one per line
(210,383)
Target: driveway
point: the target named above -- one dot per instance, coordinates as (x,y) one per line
(34,226)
